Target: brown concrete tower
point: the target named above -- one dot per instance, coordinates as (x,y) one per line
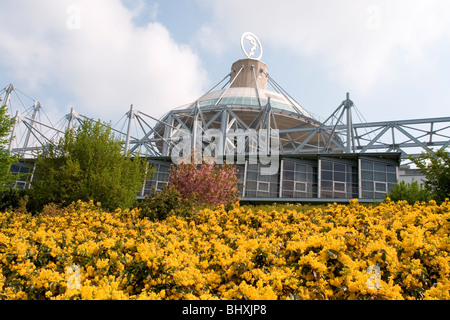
(246,73)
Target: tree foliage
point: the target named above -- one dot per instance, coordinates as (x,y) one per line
(6,123)
(162,203)
(411,192)
(435,166)
(87,164)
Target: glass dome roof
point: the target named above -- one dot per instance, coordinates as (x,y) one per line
(248,97)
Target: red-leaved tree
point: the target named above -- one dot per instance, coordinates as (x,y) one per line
(207,184)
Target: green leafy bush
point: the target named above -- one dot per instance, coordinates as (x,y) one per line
(12,199)
(87,164)
(435,166)
(410,192)
(160,204)
(6,160)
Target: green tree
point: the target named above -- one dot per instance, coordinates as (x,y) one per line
(410,192)
(435,166)
(87,164)
(6,123)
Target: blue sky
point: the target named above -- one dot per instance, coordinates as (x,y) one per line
(101,56)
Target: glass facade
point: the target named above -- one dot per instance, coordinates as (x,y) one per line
(338,179)
(260,186)
(313,177)
(299,179)
(377,178)
(241,176)
(159,179)
(21,168)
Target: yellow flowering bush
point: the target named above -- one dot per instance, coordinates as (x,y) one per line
(83,252)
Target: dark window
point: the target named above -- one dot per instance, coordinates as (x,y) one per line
(326,165)
(391,177)
(327,185)
(252,175)
(392,169)
(288,175)
(367,175)
(379,167)
(263,186)
(300,176)
(339,167)
(366,165)
(339,176)
(379,186)
(288,185)
(380,176)
(367,195)
(327,175)
(339,186)
(367,185)
(300,186)
(289,165)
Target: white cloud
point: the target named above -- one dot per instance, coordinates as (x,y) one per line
(360,43)
(207,39)
(139,8)
(105,63)
(116,59)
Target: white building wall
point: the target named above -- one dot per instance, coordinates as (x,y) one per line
(405,173)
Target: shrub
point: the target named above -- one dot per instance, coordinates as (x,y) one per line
(6,123)
(209,184)
(435,166)
(160,204)
(243,253)
(411,192)
(52,210)
(87,164)
(10,199)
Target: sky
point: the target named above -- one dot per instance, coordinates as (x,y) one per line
(101,56)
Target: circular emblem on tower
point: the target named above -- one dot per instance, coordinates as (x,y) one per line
(251,46)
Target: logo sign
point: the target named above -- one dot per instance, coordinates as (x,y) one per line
(374,280)
(212,146)
(73,282)
(251,45)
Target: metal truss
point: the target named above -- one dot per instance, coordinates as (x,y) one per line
(409,137)
(33,130)
(145,135)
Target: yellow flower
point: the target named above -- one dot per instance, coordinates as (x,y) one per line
(102,263)
(266,252)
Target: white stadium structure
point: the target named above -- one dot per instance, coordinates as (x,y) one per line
(249,119)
